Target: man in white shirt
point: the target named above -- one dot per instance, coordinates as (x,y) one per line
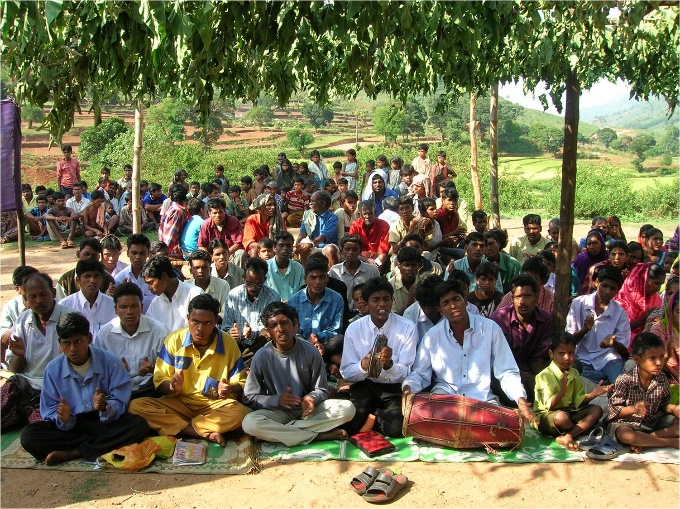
(138,247)
(601,327)
(171,304)
(93,304)
(353,271)
(33,344)
(461,351)
(133,338)
(199,265)
(13,307)
(77,202)
(424,312)
(377,396)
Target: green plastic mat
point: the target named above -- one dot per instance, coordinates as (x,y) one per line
(238,457)
(536,448)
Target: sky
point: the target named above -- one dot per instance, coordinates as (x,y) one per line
(603,92)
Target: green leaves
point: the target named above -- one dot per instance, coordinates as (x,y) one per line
(53,10)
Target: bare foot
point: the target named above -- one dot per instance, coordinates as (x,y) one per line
(636,449)
(334,434)
(368,425)
(217,438)
(334,369)
(60,456)
(567,442)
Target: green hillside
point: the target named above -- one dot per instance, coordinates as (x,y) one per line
(650,116)
(530,117)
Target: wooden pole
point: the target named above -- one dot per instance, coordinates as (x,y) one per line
(563,272)
(137,168)
(21,235)
(493,155)
(472,127)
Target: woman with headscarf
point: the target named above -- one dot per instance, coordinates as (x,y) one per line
(667,329)
(618,253)
(595,253)
(614,229)
(266,222)
(420,188)
(639,294)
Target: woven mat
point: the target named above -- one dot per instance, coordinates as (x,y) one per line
(536,448)
(238,457)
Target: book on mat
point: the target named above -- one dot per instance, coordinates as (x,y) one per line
(372,443)
(189,453)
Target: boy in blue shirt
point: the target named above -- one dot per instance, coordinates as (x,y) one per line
(85,393)
(36,214)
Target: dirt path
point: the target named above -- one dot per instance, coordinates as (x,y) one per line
(588,484)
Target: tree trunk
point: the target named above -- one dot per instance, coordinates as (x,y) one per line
(563,272)
(493,155)
(137,168)
(30,123)
(97,114)
(472,126)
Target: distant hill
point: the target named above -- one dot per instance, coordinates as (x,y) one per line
(530,116)
(650,116)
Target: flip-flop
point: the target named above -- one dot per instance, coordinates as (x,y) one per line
(363,481)
(385,487)
(64,244)
(593,439)
(69,243)
(607,449)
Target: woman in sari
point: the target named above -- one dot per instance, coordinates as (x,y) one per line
(266,222)
(667,329)
(595,252)
(618,252)
(639,294)
(654,246)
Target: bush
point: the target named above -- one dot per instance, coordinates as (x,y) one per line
(94,140)
(659,200)
(637,164)
(667,160)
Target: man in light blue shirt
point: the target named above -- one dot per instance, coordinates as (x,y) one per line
(85,393)
(284,275)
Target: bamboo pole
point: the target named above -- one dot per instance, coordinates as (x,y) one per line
(493,155)
(137,168)
(472,126)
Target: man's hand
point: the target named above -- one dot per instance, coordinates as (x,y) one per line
(125,364)
(314,340)
(366,362)
(307,406)
(234,332)
(99,402)
(405,393)
(17,346)
(226,390)
(608,341)
(63,410)
(288,400)
(110,289)
(600,389)
(640,409)
(386,354)
(145,367)
(177,381)
(525,409)
(6,338)
(589,322)
(247,330)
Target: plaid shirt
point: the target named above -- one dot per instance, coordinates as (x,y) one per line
(324,318)
(171,228)
(628,391)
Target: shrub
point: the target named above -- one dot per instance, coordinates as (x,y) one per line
(94,140)
(659,200)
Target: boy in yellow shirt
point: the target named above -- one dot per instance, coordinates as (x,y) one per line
(561,404)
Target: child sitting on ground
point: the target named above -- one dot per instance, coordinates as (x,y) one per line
(36,215)
(640,412)
(562,406)
(297,201)
(237,206)
(265,248)
(83,400)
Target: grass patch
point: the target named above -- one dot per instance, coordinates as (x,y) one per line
(83,492)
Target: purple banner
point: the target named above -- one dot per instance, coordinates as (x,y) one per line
(10,156)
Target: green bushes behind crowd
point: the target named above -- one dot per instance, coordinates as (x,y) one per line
(600,190)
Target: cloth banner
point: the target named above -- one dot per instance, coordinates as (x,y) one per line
(10,156)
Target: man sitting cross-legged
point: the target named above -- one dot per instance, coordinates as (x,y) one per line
(85,392)
(134,338)
(377,396)
(460,353)
(201,374)
(287,387)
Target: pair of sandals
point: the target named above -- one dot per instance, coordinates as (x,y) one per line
(67,244)
(601,446)
(378,487)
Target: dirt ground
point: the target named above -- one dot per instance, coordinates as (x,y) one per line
(588,484)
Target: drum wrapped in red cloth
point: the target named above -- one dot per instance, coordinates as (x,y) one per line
(460,422)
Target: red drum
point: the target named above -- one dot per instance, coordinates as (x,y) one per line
(461,423)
